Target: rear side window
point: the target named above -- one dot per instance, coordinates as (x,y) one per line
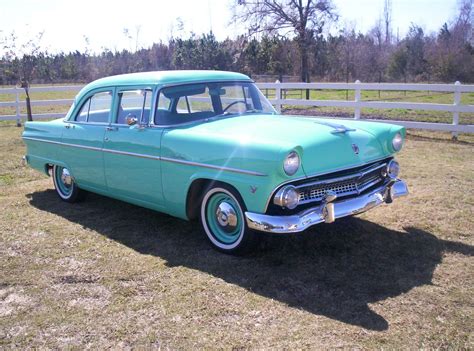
(96,109)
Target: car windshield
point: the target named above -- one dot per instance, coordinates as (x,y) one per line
(201,101)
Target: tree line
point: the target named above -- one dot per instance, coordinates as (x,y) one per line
(445,56)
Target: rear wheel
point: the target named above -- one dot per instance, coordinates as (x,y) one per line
(65,186)
(223,221)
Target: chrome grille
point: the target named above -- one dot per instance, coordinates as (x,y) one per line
(351,184)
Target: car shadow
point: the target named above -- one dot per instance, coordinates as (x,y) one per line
(332,270)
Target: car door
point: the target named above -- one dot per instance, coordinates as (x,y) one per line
(132,150)
(83,139)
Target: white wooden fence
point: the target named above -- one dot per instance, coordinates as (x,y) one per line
(18,105)
(357,104)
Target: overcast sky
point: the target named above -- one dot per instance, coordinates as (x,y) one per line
(66,24)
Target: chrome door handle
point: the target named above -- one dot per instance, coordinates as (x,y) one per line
(111,129)
(67,126)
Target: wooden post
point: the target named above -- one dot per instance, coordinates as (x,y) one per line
(457,102)
(26,85)
(17,107)
(278,96)
(357,100)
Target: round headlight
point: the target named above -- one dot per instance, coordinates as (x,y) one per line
(393,169)
(287,197)
(291,163)
(397,142)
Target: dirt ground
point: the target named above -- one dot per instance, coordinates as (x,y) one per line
(103,273)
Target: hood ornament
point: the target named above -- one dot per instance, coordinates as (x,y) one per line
(342,129)
(338,128)
(355,148)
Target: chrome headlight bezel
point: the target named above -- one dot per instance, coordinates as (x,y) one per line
(292,163)
(397,142)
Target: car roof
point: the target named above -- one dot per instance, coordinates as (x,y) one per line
(163,78)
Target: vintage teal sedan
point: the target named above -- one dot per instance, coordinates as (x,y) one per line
(209,145)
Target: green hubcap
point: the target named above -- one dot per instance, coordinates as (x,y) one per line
(63,181)
(223,218)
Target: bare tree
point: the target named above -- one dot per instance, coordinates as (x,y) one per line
(24,58)
(291,17)
(462,26)
(387,17)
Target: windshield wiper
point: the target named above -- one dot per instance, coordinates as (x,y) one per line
(227,113)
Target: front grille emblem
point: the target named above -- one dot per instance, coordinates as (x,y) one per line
(355,148)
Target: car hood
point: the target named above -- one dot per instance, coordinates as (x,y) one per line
(323,144)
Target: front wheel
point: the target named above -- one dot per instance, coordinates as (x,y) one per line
(222,218)
(65,186)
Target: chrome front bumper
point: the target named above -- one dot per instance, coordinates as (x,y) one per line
(326,212)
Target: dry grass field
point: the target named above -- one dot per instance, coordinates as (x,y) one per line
(106,274)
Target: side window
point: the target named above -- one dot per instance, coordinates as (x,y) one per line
(248,99)
(164,103)
(99,109)
(96,109)
(236,98)
(134,104)
(184,103)
(201,102)
(84,112)
(147,107)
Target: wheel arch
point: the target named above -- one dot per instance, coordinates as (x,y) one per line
(196,191)
(48,169)
(48,166)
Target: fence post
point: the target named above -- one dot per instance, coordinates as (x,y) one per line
(357,100)
(457,101)
(17,107)
(278,96)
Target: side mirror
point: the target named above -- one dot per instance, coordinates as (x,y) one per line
(131,120)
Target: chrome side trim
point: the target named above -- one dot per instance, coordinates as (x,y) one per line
(158,158)
(326,212)
(97,124)
(221,168)
(126,153)
(64,144)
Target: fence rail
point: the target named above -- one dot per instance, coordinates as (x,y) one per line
(281,90)
(357,104)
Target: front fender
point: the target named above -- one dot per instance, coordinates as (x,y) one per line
(254,190)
